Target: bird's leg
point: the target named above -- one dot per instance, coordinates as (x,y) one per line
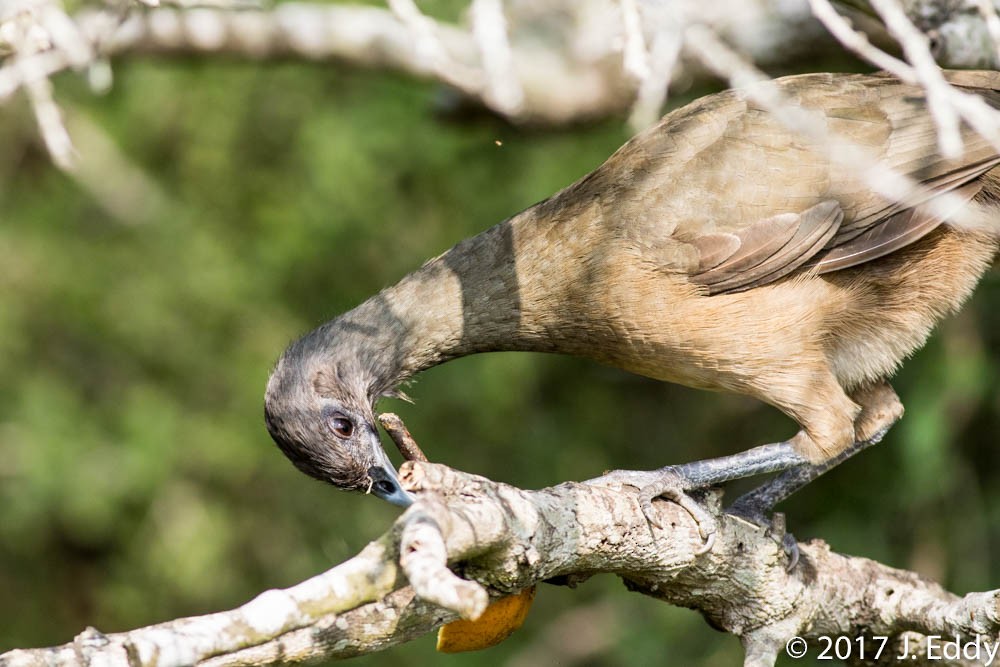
(880,409)
(756,505)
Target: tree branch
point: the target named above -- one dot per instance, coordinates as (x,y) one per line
(545,63)
(497,537)
(559,62)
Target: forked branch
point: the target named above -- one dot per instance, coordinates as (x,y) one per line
(467,536)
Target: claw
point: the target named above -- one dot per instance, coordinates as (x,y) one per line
(673,487)
(670,484)
(791,546)
(707,546)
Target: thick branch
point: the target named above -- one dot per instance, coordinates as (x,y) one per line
(505,539)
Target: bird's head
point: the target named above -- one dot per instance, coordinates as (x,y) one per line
(321,415)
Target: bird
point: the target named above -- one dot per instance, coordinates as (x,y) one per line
(717,249)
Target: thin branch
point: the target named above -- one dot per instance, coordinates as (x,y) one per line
(858,42)
(400,435)
(424,558)
(880,178)
(489,28)
(635,58)
(916,47)
(30,29)
(667,23)
(49,117)
(65,36)
(431,51)
(945,100)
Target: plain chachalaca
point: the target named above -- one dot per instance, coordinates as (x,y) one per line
(717,249)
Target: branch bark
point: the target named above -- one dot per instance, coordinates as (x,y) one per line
(467,536)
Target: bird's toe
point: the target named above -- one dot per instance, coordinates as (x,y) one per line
(673,486)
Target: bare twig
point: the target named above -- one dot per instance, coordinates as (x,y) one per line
(667,23)
(892,185)
(424,557)
(65,36)
(915,46)
(431,51)
(635,59)
(947,100)
(400,435)
(489,28)
(31,29)
(50,120)
(858,42)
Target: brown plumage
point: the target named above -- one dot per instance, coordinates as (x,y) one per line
(717,250)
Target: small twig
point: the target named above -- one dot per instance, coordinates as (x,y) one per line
(65,36)
(916,47)
(432,51)
(858,42)
(489,28)
(423,555)
(635,59)
(50,122)
(984,119)
(668,25)
(31,31)
(400,435)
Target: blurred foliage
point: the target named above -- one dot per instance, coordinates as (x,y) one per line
(137,482)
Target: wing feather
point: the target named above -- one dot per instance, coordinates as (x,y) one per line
(773,247)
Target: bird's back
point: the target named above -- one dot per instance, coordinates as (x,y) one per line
(711,178)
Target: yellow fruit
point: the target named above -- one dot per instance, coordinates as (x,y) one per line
(496,624)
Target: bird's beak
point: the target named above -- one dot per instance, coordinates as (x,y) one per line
(385,485)
(384,481)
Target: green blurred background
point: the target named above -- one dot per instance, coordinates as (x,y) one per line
(142,306)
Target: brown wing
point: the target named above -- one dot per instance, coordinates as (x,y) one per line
(775,247)
(888,234)
(766,250)
(750,202)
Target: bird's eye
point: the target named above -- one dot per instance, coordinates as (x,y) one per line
(341,426)
(385,487)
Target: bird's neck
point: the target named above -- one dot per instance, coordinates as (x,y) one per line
(467,300)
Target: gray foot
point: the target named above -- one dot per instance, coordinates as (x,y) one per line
(674,482)
(669,483)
